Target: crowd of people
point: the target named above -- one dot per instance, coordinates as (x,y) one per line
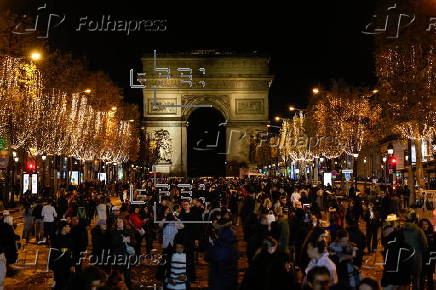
(295,236)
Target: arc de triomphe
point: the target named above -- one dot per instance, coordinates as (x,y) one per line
(234,84)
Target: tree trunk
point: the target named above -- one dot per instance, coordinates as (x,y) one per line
(315,171)
(419,169)
(411,184)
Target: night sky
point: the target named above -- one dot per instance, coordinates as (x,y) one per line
(310,42)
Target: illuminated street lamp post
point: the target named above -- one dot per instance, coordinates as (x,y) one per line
(43,157)
(355,156)
(391,163)
(384,168)
(35,55)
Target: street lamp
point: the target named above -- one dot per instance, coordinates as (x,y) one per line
(355,156)
(390,149)
(35,55)
(16,159)
(277,118)
(14,154)
(88,91)
(291,108)
(315,91)
(384,159)
(43,157)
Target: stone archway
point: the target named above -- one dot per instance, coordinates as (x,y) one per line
(235,85)
(206,143)
(192,102)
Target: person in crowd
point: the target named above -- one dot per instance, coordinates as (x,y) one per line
(61,257)
(417,240)
(101,241)
(254,276)
(281,232)
(137,225)
(344,253)
(48,214)
(429,262)
(38,222)
(248,206)
(178,270)
(316,234)
(222,257)
(79,235)
(115,212)
(368,284)
(28,222)
(191,232)
(120,246)
(170,227)
(259,233)
(357,237)
(280,274)
(295,196)
(8,243)
(319,256)
(147,216)
(405,193)
(318,278)
(102,210)
(396,273)
(373,223)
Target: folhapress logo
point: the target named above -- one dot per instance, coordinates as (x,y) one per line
(397,22)
(105,23)
(44,22)
(53,20)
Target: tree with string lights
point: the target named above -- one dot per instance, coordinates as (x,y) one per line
(407,84)
(293,142)
(347,118)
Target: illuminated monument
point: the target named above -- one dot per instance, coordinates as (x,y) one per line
(236,85)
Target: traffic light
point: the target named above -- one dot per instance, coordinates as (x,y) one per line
(392,165)
(30,167)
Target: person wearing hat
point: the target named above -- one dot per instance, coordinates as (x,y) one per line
(417,240)
(396,272)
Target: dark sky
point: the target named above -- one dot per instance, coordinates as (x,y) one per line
(310,42)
